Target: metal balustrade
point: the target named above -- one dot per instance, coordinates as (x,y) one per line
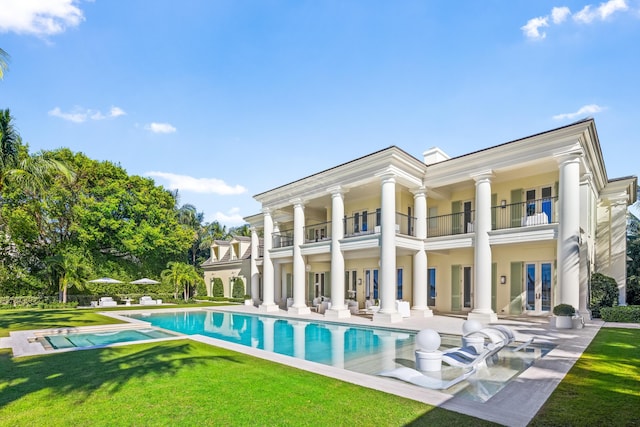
(282,239)
(448,225)
(317,232)
(524,214)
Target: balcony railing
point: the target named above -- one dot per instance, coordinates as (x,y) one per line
(447,225)
(514,215)
(282,239)
(524,214)
(361,224)
(317,232)
(405,224)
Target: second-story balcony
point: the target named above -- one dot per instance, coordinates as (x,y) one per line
(317,232)
(282,239)
(514,215)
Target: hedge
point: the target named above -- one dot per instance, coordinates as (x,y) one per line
(623,314)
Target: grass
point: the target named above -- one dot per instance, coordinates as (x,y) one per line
(189,383)
(602,388)
(27,319)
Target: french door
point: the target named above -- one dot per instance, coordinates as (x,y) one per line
(467,278)
(538,287)
(371,284)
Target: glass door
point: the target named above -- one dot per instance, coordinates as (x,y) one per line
(371,285)
(538,287)
(466,288)
(431,283)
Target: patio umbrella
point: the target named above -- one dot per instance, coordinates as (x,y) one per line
(105,280)
(144,281)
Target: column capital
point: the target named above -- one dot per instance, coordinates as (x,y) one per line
(570,155)
(420,191)
(483,176)
(297,202)
(337,190)
(267,211)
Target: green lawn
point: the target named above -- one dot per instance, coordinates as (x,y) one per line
(183,383)
(189,383)
(602,388)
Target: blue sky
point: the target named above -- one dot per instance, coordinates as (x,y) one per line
(227,99)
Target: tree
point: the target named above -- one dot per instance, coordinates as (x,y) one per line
(182,276)
(191,219)
(68,266)
(32,172)
(4,59)
(243,230)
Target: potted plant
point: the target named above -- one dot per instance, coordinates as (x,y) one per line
(564,316)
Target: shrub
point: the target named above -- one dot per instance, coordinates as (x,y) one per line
(217,289)
(564,310)
(604,293)
(625,314)
(633,291)
(238,288)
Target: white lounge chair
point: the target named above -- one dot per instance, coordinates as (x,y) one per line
(469,357)
(147,300)
(107,302)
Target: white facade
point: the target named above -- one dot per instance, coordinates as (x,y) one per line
(515,228)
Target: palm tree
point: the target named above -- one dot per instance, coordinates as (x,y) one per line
(181,276)
(31,172)
(4,60)
(190,218)
(69,269)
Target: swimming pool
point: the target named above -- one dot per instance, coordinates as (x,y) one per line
(102,338)
(363,349)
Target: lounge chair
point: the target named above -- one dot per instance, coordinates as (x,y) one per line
(469,357)
(147,300)
(107,302)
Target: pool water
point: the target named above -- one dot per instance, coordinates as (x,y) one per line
(361,349)
(61,341)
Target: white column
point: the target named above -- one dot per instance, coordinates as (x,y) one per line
(267,266)
(618,244)
(299,306)
(388,312)
(255,274)
(482,311)
(277,283)
(338,308)
(420,287)
(569,231)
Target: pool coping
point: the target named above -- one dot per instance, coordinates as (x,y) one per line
(515,405)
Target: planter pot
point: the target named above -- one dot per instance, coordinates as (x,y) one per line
(564,322)
(578,322)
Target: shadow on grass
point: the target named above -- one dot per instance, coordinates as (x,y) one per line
(15,320)
(84,372)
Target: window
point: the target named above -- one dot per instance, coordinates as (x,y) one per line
(399,285)
(364,220)
(431,283)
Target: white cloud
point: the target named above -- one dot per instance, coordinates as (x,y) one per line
(197,185)
(80,115)
(39,17)
(531,29)
(232,217)
(160,128)
(560,14)
(584,110)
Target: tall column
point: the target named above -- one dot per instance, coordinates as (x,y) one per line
(267,265)
(420,287)
(482,311)
(299,306)
(338,308)
(255,274)
(388,311)
(569,231)
(618,244)
(277,284)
